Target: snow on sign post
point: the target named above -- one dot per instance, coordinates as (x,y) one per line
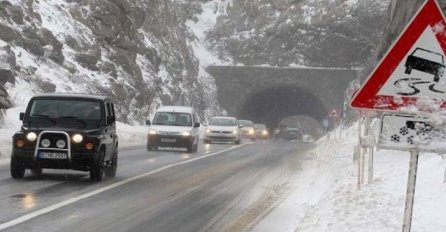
(406,132)
(410,78)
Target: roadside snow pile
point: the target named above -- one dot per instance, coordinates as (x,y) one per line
(326,198)
(131,135)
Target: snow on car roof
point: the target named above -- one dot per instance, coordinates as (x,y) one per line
(71,95)
(179,109)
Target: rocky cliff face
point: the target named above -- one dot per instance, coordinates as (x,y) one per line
(137,52)
(330,33)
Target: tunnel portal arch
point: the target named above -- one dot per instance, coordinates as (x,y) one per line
(270,105)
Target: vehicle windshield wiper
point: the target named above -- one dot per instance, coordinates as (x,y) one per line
(178,124)
(84,124)
(45,117)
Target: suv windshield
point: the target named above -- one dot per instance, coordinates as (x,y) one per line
(172,119)
(65,113)
(246,123)
(223,122)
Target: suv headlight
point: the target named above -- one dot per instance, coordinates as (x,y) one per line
(77,138)
(152,132)
(31,136)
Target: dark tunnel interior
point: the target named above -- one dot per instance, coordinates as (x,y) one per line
(270,105)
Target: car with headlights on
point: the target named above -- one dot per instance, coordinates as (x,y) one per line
(173,126)
(67,131)
(261,131)
(222,129)
(248,129)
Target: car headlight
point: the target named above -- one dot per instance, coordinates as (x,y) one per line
(235,132)
(186,133)
(31,136)
(265,132)
(152,132)
(208,131)
(251,131)
(77,138)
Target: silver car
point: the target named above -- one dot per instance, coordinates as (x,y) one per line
(223,129)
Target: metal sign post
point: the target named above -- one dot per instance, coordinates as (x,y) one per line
(410,196)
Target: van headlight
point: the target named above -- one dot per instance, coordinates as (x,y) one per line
(152,132)
(77,138)
(31,136)
(208,131)
(185,133)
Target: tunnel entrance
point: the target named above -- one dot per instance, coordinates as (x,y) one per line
(273,104)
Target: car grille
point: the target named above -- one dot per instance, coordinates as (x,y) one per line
(221,132)
(219,137)
(168,133)
(53,137)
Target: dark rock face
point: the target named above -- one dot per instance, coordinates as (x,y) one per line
(136,52)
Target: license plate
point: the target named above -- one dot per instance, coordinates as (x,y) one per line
(53,155)
(168,140)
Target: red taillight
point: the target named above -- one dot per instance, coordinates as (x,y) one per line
(19,143)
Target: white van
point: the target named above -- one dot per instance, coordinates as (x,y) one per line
(173,126)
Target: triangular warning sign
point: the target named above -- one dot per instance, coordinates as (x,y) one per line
(333,113)
(413,68)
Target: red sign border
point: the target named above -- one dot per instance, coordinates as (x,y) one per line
(366,98)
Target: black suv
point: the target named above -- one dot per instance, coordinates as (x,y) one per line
(67,131)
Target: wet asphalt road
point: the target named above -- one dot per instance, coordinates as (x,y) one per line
(222,187)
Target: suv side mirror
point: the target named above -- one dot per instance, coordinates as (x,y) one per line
(197,124)
(148,123)
(22,116)
(111,120)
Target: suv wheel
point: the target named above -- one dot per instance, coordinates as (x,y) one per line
(111,170)
(17,171)
(97,167)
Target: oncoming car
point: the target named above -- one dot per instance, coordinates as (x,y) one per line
(174,126)
(261,131)
(225,129)
(67,131)
(248,129)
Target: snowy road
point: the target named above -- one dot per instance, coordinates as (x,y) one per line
(223,187)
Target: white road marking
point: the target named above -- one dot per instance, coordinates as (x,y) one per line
(48,209)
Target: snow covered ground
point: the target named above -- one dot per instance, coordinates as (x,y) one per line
(324,195)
